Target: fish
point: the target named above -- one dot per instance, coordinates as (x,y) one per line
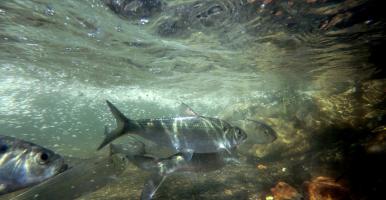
(161,168)
(184,134)
(23,164)
(258,131)
(200,162)
(130,149)
(83,177)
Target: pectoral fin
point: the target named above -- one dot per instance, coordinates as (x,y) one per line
(187,154)
(228,151)
(232,160)
(151,186)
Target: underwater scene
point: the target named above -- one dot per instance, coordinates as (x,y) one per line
(194,99)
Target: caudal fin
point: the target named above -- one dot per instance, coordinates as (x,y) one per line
(122,124)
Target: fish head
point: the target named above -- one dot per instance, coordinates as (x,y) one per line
(265,133)
(23,164)
(40,164)
(258,131)
(30,164)
(237,135)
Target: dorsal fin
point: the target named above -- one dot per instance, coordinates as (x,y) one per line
(188,111)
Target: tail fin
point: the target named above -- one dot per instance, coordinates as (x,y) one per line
(122,124)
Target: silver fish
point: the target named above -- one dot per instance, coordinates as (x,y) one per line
(24,164)
(85,176)
(258,131)
(163,167)
(190,134)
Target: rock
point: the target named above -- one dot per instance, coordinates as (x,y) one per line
(377,144)
(326,188)
(267,1)
(261,167)
(290,141)
(336,20)
(188,17)
(283,191)
(374,91)
(311,1)
(135,8)
(228,192)
(360,104)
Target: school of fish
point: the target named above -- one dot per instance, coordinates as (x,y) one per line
(196,144)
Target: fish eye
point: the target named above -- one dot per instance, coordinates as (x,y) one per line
(3,148)
(225,129)
(238,132)
(43,158)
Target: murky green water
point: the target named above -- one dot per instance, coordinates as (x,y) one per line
(310,70)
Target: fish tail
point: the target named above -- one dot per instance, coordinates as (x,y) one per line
(124,125)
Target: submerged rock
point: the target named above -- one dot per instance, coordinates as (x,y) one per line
(359,105)
(183,18)
(284,191)
(135,8)
(377,144)
(290,142)
(326,188)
